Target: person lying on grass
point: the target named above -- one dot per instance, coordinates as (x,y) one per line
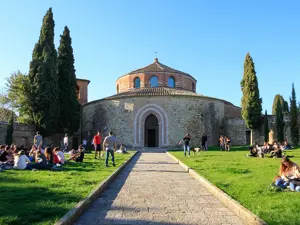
(289,175)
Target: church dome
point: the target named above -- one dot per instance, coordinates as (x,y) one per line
(153,76)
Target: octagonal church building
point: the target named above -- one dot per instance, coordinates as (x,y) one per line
(155,106)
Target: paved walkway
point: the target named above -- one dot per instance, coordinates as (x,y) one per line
(153,189)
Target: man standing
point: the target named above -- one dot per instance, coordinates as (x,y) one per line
(97,144)
(110,145)
(186,146)
(66,143)
(38,139)
(204,142)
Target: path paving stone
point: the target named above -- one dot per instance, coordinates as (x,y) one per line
(153,189)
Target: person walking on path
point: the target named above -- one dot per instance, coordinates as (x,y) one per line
(110,145)
(97,144)
(66,142)
(38,139)
(204,142)
(186,147)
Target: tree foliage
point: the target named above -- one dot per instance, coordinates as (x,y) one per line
(251,102)
(279,121)
(294,118)
(266,127)
(10,130)
(284,104)
(69,106)
(43,80)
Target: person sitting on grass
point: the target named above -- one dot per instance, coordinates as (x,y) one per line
(60,155)
(122,150)
(287,146)
(277,152)
(6,158)
(40,161)
(32,153)
(77,156)
(289,175)
(22,162)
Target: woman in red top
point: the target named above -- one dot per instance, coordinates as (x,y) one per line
(97,144)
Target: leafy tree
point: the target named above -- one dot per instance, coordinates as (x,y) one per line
(251,102)
(69,106)
(10,130)
(17,98)
(266,127)
(294,118)
(279,121)
(43,80)
(284,104)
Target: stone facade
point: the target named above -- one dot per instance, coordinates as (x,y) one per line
(176,116)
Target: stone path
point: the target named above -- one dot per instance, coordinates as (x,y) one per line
(153,189)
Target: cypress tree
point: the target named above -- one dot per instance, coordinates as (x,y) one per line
(43,80)
(294,118)
(279,122)
(10,130)
(69,106)
(251,102)
(266,127)
(284,104)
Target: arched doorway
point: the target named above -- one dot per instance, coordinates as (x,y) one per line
(151,131)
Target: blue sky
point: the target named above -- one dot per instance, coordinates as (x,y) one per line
(207,39)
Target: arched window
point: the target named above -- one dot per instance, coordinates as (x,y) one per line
(117,89)
(154,81)
(193,87)
(171,82)
(137,82)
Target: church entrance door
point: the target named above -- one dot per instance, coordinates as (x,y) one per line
(151,131)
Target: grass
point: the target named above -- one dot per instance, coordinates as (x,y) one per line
(247,180)
(42,197)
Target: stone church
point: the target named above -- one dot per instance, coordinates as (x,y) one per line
(155,106)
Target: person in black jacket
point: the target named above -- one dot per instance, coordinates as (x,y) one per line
(204,142)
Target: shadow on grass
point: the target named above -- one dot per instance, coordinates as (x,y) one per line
(30,205)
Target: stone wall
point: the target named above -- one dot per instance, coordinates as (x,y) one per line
(23,134)
(196,115)
(236,130)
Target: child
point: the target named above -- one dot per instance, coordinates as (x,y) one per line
(22,162)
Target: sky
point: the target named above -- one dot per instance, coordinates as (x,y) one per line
(206,38)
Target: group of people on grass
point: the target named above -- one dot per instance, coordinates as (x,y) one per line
(109,145)
(186,140)
(37,157)
(276,150)
(224,142)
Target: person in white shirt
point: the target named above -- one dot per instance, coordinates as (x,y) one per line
(66,142)
(60,155)
(22,162)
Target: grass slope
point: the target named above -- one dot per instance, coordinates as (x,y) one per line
(248,180)
(42,197)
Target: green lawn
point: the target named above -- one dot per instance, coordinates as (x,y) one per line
(248,180)
(42,197)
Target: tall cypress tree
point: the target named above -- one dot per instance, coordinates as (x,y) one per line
(279,122)
(266,127)
(251,102)
(69,106)
(284,104)
(294,118)
(43,94)
(10,130)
